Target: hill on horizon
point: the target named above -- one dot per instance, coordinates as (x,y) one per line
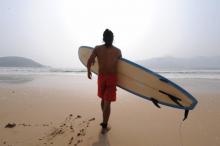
(15,61)
(200,62)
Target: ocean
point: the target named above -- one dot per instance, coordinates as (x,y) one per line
(168,73)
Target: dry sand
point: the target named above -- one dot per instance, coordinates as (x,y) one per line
(64,110)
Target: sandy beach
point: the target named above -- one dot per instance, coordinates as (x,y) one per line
(64,110)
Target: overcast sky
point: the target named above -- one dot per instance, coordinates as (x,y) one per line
(51,31)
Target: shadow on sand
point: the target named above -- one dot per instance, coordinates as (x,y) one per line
(102,141)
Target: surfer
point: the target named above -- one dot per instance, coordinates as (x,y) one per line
(107,56)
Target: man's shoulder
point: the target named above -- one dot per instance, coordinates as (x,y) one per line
(116,48)
(118,51)
(99,46)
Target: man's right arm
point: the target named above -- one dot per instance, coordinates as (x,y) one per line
(90,62)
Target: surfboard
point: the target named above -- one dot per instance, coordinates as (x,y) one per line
(145,83)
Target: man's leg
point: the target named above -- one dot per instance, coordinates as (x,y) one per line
(102,105)
(106,112)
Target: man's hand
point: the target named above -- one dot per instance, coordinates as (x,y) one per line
(89,75)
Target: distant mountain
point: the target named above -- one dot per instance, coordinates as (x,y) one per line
(182,63)
(13,61)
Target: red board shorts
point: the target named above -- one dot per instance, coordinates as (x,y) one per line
(107,87)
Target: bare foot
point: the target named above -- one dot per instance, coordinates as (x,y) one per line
(105,130)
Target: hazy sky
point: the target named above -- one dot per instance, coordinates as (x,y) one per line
(50,31)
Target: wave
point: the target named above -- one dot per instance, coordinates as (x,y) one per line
(41,69)
(199,74)
(67,70)
(189,71)
(204,74)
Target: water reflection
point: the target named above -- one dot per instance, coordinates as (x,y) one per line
(16,79)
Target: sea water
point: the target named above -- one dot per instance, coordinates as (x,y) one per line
(190,73)
(168,73)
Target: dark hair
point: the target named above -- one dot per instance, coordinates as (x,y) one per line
(108,37)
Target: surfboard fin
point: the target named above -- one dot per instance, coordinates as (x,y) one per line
(173,98)
(155,102)
(186,115)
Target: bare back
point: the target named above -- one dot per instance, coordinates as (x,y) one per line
(107,59)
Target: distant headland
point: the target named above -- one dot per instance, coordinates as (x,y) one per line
(200,62)
(15,61)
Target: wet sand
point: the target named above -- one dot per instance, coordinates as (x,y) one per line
(64,110)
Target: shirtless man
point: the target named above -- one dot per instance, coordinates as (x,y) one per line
(107,56)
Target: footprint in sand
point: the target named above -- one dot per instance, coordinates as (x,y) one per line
(72,129)
(10,125)
(71,140)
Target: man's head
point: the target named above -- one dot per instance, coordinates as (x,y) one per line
(108,37)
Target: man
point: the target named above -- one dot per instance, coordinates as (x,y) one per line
(107,56)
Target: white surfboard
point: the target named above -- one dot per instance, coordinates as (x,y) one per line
(146,83)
